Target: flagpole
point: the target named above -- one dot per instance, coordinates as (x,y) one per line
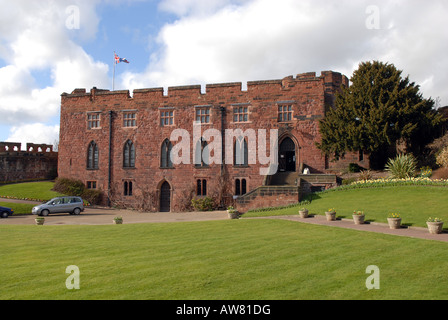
(113,79)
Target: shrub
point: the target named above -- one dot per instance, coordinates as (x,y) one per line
(402,167)
(348,181)
(365,175)
(73,187)
(442,158)
(425,172)
(69,187)
(354,167)
(202,204)
(91,195)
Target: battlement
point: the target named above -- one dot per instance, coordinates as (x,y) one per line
(331,80)
(30,147)
(37,162)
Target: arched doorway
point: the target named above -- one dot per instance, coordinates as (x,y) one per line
(287,155)
(165,197)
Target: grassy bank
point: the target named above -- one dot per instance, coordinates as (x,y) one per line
(38,191)
(34,191)
(414,203)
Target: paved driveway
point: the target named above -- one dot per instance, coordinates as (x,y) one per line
(102,216)
(99,216)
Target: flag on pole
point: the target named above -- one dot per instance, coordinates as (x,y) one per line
(118,59)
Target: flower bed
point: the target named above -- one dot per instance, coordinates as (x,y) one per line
(387,182)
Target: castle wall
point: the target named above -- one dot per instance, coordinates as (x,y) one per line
(37,162)
(307,94)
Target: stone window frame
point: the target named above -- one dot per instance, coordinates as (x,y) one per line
(129,154)
(199,154)
(203,114)
(91,184)
(240,186)
(93,120)
(165,152)
(242,144)
(241,110)
(285,111)
(129,118)
(201,187)
(93,156)
(166,114)
(128,186)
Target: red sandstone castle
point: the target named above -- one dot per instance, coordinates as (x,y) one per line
(124,146)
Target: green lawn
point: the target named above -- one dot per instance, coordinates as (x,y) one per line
(234,259)
(414,203)
(217,260)
(39,191)
(19,208)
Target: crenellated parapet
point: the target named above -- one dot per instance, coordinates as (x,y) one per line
(331,80)
(10,146)
(39,148)
(30,147)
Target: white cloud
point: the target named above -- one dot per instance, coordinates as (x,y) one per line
(35,36)
(196,7)
(35,133)
(215,41)
(229,40)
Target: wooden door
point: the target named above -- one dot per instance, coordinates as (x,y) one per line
(165,197)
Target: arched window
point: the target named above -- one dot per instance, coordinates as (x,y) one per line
(127,188)
(202,154)
(243,186)
(201,187)
(165,160)
(92,156)
(240,187)
(129,155)
(240,152)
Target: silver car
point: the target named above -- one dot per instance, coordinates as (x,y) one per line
(72,205)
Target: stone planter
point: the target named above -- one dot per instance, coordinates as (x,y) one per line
(233,214)
(303,213)
(39,221)
(394,223)
(331,215)
(435,227)
(358,218)
(118,221)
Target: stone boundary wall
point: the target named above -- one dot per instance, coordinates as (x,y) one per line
(37,162)
(268,196)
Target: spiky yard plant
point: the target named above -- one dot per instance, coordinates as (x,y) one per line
(402,167)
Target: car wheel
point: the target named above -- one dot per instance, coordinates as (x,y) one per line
(77,211)
(4,214)
(45,213)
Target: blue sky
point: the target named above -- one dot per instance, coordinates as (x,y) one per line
(43,53)
(129,29)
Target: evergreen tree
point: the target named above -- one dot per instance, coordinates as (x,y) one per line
(378,111)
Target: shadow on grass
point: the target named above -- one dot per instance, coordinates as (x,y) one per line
(407,224)
(311,197)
